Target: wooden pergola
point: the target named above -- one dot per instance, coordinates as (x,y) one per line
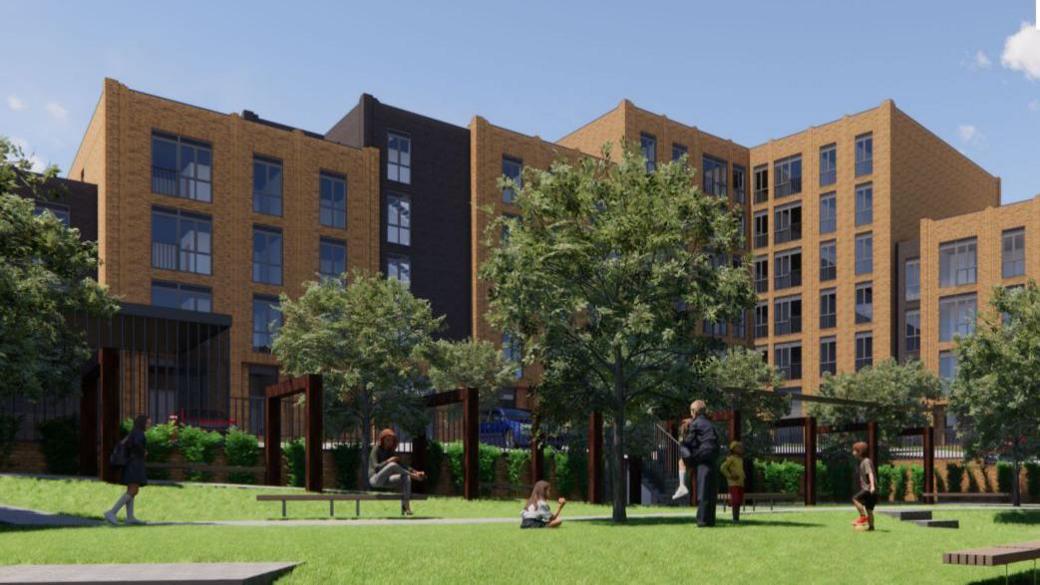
(311,387)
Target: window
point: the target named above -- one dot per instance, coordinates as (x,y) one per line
(762,274)
(715,329)
(182,167)
(864,254)
(740,326)
(714,173)
(828,165)
(787,358)
(864,154)
(267,186)
(739,184)
(398,220)
(957,263)
(956,317)
(182,241)
(56,209)
(761,184)
(864,302)
(787,225)
(333,204)
(828,308)
(913,331)
(399,268)
(512,169)
(648,146)
(182,296)
(267,318)
(913,279)
(864,204)
(947,370)
(828,356)
(864,350)
(761,229)
(787,316)
(678,151)
(1013,258)
(787,269)
(332,257)
(761,320)
(267,255)
(399,158)
(788,176)
(512,351)
(828,213)
(828,260)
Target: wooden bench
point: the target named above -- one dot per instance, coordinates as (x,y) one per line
(333,498)
(996,556)
(948,496)
(755,497)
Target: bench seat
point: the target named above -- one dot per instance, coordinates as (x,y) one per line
(995,555)
(755,497)
(357,498)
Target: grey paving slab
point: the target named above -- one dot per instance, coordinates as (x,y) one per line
(909,514)
(938,523)
(160,573)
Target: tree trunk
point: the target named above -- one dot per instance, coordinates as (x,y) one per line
(618,443)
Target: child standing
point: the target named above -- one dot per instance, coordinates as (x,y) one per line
(866,498)
(536,513)
(733,470)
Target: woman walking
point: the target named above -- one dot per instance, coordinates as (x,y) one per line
(134,476)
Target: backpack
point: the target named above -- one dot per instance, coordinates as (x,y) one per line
(119,455)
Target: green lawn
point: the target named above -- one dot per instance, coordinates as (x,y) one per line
(797,547)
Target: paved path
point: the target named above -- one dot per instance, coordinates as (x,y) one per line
(26,517)
(202,573)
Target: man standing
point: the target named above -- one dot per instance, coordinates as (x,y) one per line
(702,442)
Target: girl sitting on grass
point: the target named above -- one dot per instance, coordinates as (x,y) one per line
(537,513)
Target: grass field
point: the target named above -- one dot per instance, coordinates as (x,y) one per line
(795,547)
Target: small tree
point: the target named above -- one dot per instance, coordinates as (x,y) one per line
(741,376)
(996,394)
(367,339)
(469,364)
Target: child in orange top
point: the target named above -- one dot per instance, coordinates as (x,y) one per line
(733,470)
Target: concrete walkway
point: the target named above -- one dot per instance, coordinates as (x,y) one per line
(26,517)
(201,573)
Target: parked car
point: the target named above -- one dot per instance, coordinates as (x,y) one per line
(506,427)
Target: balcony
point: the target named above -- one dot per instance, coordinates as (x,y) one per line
(788,280)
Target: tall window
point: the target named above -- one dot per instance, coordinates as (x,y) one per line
(267,186)
(761,320)
(182,296)
(864,302)
(182,167)
(398,158)
(828,213)
(182,241)
(267,318)
(864,254)
(678,151)
(762,274)
(512,351)
(715,328)
(787,316)
(332,257)
(761,229)
(947,370)
(787,225)
(333,204)
(267,255)
(1013,258)
(761,183)
(828,356)
(956,317)
(787,269)
(913,279)
(828,308)
(865,204)
(828,260)
(787,175)
(864,350)
(399,268)
(913,331)
(957,263)
(740,325)
(714,173)
(787,358)
(512,168)
(739,184)
(398,220)
(828,165)
(648,146)
(864,154)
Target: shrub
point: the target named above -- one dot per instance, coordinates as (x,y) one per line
(940,483)
(570,470)
(839,478)
(434,461)
(1033,480)
(886,476)
(781,476)
(296,457)
(241,449)
(518,460)
(9,424)
(59,441)
(198,446)
(347,457)
(487,457)
(824,485)
(954,477)
(917,478)
(899,483)
(1005,476)
(453,453)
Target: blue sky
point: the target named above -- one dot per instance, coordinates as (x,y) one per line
(746,70)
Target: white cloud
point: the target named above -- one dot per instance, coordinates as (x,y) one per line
(27,151)
(57,111)
(15,103)
(1022,51)
(969,134)
(1034,105)
(979,61)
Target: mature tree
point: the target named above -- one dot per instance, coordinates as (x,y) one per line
(606,275)
(46,274)
(996,394)
(740,378)
(470,364)
(368,339)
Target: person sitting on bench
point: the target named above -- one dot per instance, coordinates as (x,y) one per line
(385,468)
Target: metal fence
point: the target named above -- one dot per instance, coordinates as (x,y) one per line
(31,413)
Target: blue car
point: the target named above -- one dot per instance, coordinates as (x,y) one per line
(506,427)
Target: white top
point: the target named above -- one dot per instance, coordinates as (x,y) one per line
(539,511)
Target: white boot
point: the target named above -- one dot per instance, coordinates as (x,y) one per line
(680,492)
(110,515)
(130,518)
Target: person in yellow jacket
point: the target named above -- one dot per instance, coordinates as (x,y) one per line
(733,470)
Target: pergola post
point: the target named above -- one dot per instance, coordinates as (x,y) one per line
(872,443)
(735,425)
(810,460)
(635,480)
(273,439)
(595,463)
(928,445)
(315,440)
(88,423)
(470,444)
(108,382)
